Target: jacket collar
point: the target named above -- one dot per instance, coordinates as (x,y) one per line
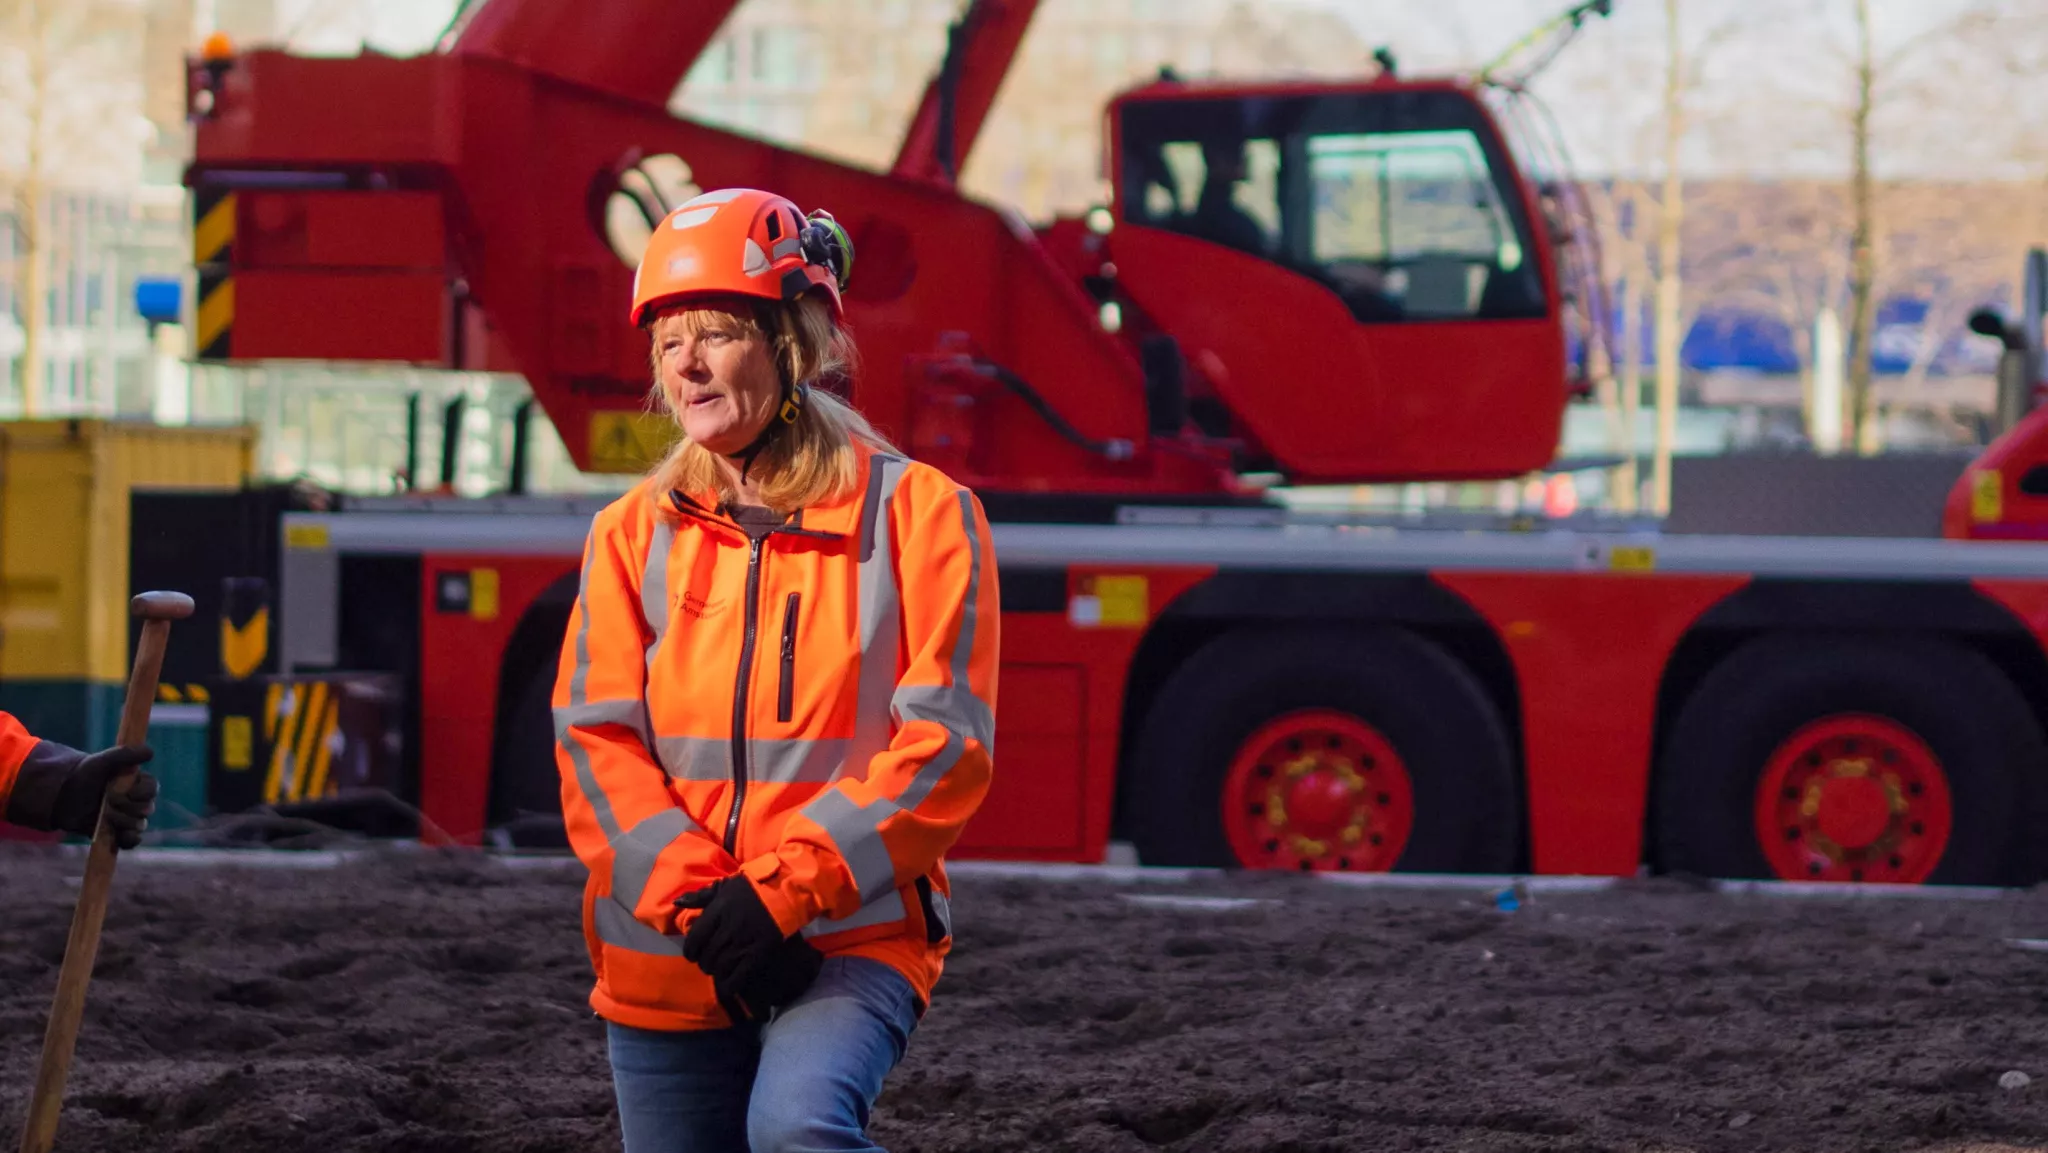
(831,519)
(842,517)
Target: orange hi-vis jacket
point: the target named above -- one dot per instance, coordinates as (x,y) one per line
(814,708)
(16,745)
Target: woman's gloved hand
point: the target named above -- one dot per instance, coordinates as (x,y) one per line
(736,941)
(782,976)
(733,930)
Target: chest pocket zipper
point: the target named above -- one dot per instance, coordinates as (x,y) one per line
(785,700)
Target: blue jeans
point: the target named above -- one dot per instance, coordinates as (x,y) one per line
(802,1083)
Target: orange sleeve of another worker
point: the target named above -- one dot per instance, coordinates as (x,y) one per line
(868,835)
(16,743)
(621,820)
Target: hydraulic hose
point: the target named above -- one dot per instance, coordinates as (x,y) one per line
(1113,448)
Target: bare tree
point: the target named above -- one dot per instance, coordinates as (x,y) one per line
(1819,165)
(1670,218)
(1618,380)
(1903,101)
(66,75)
(1641,212)
(1683,73)
(1777,249)
(1862,258)
(1954,247)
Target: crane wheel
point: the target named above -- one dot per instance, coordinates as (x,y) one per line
(1365,750)
(1856,760)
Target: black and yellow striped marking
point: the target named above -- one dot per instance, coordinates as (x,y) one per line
(213,246)
(300,723)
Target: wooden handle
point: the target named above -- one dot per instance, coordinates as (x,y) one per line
(39,1132)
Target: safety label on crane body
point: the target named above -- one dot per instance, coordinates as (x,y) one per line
(624,440)
(1596,555)
(1632,558)
(1121,601)
(1987,496)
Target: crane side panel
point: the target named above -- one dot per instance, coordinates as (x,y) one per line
(1034,802)
(1589,651)
(470,606)
(320,315)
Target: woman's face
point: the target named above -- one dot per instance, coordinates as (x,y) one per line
(717,371)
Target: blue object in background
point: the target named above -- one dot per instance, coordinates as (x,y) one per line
(158,298)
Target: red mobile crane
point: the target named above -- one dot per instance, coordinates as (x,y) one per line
(1184,663)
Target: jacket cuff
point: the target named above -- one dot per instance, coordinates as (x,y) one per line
(31,799)
(764,873)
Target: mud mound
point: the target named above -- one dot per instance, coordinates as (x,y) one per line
(434,1003)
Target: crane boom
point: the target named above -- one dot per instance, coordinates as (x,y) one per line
(636,49)
(980,47)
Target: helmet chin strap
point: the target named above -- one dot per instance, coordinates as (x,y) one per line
(792,406)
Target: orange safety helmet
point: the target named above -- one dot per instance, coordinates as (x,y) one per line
(745,241)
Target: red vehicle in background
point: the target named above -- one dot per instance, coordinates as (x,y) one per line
(1332,283)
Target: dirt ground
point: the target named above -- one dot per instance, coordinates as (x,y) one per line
(433,1005)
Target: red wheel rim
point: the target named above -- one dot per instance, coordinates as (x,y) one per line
(1318,790)
(1853,798)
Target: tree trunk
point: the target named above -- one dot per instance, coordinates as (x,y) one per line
(33,290)
(1670,216)
(1862,256)
(1628,478)
(30,207)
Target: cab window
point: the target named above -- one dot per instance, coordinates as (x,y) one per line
(1393,200)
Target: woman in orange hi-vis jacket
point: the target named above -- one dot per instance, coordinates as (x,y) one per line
(775,709)
(55,788)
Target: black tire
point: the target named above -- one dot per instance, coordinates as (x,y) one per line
(1429,706)
(1968,713)
(526,786)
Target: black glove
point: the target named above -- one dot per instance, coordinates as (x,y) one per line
(782,976)
(734,933)
(754,969)
(59,789)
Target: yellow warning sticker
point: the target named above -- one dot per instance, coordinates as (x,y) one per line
(305,536)
(1632,558)
(483,594)
(1987,496)
(1125,600)
(623,440)
(237,743)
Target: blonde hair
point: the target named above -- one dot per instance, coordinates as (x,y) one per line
(815,459)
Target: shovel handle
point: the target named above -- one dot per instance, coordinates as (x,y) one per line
(39,1132)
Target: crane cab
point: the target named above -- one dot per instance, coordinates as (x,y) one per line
(1354,273)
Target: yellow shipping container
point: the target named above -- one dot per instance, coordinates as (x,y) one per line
(64,529)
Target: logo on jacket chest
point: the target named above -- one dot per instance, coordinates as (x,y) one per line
(697,608)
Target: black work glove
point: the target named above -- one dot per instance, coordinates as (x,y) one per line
(734,933)
(754,969)
(59,789)
(783,975)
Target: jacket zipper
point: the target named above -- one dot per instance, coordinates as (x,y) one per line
(785,702)
(739,697)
